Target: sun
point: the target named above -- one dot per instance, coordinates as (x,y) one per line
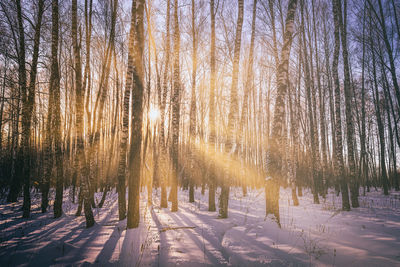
(154,114)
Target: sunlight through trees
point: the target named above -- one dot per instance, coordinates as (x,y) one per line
(166,96)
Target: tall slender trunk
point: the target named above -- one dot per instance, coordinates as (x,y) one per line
(316,169)
(3,91)
(381,134)
(80,162)
(48,152)
(122,165)
(22,88)
(363,153)
(381,130)
(113,130)
(175,113)
(157,177)
(212,135)
(15,187)
(232,117)
(28,99)
(192,127)
(321,102)
(164,202)
(274,41)
(331,93)
(389,50)
(98,111)
(292,159)
(393,131)
(248,86)
(311,117)
(135,155)
(348,105)
(56,129)
(393,174)
(338,159)
(87,82)
(275,149)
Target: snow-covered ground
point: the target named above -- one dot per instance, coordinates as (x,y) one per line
(320,235)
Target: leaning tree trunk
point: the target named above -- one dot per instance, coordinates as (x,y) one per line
(98,111)
(113,131)
(381,20)
(394,179)
(389,106)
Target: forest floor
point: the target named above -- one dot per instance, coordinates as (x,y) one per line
(310,234)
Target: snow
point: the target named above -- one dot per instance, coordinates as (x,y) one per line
(310,234)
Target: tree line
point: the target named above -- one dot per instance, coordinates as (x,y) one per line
(157,95)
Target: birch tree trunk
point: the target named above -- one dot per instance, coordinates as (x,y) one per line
(248,86)
(363,153)
(212,134)
(192,127)
(87,76)
(348,105)
(274,153)
(122,166)
(80,161)
(165,165)
(311,118)
(56,129)
(135,157)
(381,130)
(321,95)
(28,100)
(175,113)
(230,143)
(338,159)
